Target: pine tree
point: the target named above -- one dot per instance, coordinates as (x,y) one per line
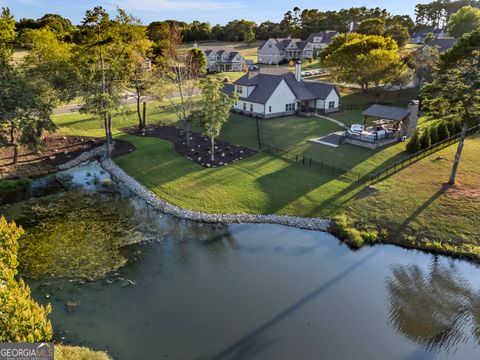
(425,141)
(443,132)
(414,145)
(433,134)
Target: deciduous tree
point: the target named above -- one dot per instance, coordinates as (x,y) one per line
(464,21)
(215,110)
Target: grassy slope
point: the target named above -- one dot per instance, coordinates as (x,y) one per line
(416,201)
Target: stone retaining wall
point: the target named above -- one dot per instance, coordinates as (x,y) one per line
(98,152)
(167,208)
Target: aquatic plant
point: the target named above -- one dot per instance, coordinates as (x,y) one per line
(75,235)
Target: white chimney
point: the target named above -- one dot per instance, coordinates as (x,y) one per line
(352,26)
(298,70)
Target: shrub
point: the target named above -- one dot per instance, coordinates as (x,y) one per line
(370,236)
(63,352)
(433,134)
(21,318)
(451,127)
(457,127)
(8,185)
(414,144)
(425,140)
(339,226)
(443,132)
(354,238)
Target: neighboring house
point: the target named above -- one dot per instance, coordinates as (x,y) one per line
(276,50)
(418,37)
(275,92)
(321,40)
(219,60)
(442,43)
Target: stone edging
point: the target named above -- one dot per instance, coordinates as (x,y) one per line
(99,151)
(167,208)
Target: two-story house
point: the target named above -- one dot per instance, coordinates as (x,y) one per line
(320,40)
(224,60)
(276,50)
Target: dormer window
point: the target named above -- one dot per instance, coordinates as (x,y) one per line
(239,90)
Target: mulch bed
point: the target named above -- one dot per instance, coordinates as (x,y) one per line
(57,150)
(199,149)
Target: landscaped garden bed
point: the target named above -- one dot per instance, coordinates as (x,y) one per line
(55,150)
(199,150)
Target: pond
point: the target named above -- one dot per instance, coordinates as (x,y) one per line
(174,289)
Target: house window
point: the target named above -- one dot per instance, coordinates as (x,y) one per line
(244,106)
(290,107)
(269,45)
(331,105)
(251,107)
(239,90)
(269,109)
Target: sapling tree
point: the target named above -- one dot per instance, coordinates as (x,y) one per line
(181,69)
(215,110)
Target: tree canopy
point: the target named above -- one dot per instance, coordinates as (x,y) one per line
(464,21)
(363,59)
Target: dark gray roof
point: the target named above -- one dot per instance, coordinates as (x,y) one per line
(321,89)
(228,89)
(326,36)
(386,112)
(443,44)
(267,80)
(208,52)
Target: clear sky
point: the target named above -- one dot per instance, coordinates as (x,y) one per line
(213,11)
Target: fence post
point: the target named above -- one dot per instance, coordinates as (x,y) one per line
(296,158)
(310,161)
(303,159)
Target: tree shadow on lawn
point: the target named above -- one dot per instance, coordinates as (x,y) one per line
(419,210)
(290,183)
(333,204)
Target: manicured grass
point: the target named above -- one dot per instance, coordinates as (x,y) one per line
(409,203)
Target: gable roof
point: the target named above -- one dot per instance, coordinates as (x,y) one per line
(220,52)
(386,112)
(443,44)
(326,36)
(267,80)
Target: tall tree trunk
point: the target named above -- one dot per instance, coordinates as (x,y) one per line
(456,162)
(15,154)
(212,149)
(109,134)
(12,133)
(144,123)
(139,114)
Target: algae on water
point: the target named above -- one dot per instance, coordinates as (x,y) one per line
(76,235)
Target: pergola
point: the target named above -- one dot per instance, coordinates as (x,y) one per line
(386,115)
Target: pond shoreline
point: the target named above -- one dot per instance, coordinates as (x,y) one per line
(148,196)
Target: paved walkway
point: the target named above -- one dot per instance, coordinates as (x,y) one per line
(339,123)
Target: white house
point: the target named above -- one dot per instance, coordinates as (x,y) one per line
(321,40)
(275,92)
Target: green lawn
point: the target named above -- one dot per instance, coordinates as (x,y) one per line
(414,202)
(407,203)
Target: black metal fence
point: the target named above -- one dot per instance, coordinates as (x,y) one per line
(399,165)
(306,160)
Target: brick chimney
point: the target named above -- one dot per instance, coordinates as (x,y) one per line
(298,70)
(412,119)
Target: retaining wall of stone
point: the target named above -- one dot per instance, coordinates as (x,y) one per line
(98,152)
(167,208)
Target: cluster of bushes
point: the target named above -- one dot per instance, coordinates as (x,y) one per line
(341,228)
(432,135)
(21,318)
(13,185)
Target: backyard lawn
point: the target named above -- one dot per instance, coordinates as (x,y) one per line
(409,201)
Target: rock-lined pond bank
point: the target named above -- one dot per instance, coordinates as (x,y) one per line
(167,208)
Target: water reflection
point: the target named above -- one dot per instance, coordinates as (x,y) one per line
(436,308)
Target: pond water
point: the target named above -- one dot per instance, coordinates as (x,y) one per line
(187,290)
